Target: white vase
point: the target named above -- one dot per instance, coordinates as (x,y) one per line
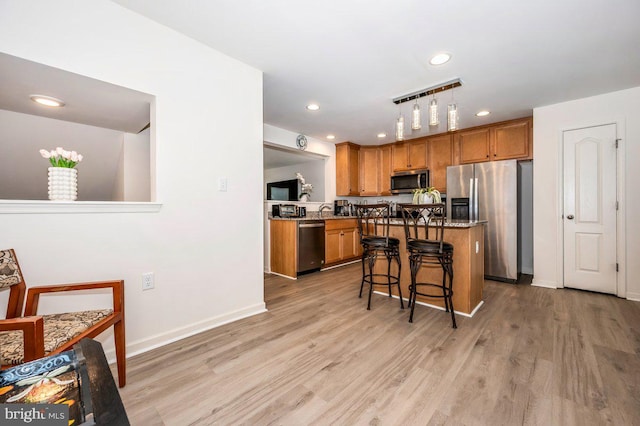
(426,199)
(304,198)
(63,184)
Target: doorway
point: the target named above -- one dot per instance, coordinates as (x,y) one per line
(590,215)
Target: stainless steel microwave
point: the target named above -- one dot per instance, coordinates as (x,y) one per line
(406,182)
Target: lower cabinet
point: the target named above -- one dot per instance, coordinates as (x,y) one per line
(342,241)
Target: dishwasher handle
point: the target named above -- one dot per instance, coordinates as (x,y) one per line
(311,225)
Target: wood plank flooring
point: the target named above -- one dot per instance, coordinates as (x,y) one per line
(529,356)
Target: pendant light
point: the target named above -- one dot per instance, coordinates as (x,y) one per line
(400,128)
(415,117)
(452,115)
(434,120)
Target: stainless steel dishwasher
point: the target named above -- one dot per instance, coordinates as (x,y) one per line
(310,245)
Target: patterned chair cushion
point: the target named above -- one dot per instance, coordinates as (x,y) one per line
(9,273)
(58,329)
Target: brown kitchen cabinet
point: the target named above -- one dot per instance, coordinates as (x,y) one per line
(512,140)
(347,169)
(440,156)
(503,141)
(474,145)
(369,171)
(342,241)
(410,155)
(386,168)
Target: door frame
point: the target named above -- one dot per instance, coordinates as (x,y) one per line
(621,243)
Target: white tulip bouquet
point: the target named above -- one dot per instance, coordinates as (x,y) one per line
(61,157)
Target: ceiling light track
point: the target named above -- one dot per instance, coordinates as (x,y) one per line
(428,91)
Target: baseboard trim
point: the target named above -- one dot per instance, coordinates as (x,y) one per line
(341,264)
(633,296)
(159,340)
(440,308)
(545,284)
(283,276)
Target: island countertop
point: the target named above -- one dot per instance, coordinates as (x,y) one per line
(394,221)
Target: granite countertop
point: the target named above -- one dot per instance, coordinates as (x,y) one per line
(394,222)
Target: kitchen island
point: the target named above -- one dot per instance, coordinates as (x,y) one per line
(468,266)
(468,256)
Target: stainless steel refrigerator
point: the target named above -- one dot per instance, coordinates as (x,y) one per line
(489,191)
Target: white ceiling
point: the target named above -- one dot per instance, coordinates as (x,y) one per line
(87,100)
(353,57)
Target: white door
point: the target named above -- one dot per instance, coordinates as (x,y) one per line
(590,209)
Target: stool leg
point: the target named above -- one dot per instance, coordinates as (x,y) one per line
(414,264)
(372,262)
(396,255)
(364,257)
(388,255)
(450,271)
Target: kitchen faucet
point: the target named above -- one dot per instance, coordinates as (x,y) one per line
(323,206)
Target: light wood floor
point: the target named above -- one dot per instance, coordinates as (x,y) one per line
(529,356)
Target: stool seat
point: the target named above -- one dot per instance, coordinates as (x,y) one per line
(380,242)
(429,246)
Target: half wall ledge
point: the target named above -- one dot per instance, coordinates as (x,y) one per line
(66,207)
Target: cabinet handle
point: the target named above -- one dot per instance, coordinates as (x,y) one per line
(495,155)
(487,155)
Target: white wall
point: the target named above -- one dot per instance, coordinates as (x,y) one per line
(313,172)
(137,153)
(282,137)
(621,107)
(208,266)
(23,175)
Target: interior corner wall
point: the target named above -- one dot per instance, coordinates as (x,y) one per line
(136,157)
(208,270)
(623,108)
(118,183)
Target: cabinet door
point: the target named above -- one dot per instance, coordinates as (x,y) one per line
(400,153)
(417,155)
(440,157)
(350,243)
(385,169)
(332,246)
(369,171)
(474,146)
(347,169)
(511,141)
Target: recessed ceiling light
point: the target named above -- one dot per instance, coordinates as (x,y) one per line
(331,137)
(382,135)
(313,107)
(482,113)
(47,100)
(440,59)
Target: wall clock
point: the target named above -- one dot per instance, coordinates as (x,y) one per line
(301,142)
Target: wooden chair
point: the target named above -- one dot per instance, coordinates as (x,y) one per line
(31,336)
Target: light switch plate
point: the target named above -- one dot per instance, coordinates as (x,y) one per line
(222,184)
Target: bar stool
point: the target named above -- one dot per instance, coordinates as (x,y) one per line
(373,225)
(424,231)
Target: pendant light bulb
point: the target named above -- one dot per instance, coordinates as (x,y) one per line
(452,117)
(434,120)
(415,117)
(400,128)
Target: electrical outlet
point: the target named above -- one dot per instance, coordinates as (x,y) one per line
(147,281)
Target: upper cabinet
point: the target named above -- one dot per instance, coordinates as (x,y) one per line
(508,140)
(366,170)
(440,156)
(347,169)
(512,140)
(369,171)
(410,155)
(385,169)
